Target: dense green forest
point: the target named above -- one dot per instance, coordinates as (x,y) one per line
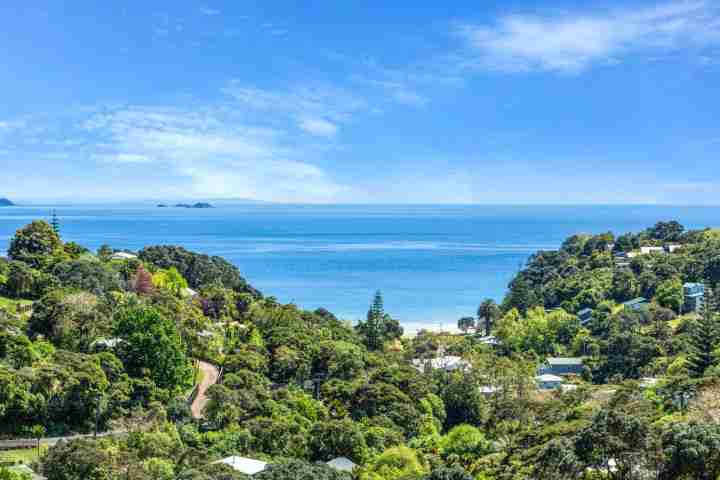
(110,339)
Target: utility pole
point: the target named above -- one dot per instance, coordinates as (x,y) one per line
(98,399)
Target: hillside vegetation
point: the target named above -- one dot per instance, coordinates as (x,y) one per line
(108,340)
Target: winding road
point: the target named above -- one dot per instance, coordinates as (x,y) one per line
(210,374)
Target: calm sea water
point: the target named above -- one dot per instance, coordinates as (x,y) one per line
(433,264)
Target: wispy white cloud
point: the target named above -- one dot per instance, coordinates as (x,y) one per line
(318,126)
(212,147)
(317,110)
(571,42)
(123,158)
(8,125)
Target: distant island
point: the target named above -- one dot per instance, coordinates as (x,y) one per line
(161,205)
(196,205)
(4,202)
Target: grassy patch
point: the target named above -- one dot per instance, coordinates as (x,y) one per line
(21,455)
(11,304)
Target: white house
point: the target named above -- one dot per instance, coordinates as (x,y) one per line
(122,256)
(189,292)
(487,390)
(247,466)
(342,464)
(448,363)
(106,343)
(672,247)
(648,382)
(488,340)
(648,250)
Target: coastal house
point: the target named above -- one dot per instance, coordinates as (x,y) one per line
(122,256)
(648,250)
(648,382)
(246,466)
(561,366)
(672,247)
(106,343)
(447,363)
(342,464)
(488,340)
(694,296)
(585,315)
(487,390)
(635,304)
(548,381)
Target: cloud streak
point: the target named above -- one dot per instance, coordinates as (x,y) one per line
(219,154)
(573,42)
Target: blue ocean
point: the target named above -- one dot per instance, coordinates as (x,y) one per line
(433,264)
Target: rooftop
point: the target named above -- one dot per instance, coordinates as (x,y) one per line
(248,466)
(343,464)
(635,301)
(565,361)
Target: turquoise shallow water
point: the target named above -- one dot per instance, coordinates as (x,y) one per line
(433,264)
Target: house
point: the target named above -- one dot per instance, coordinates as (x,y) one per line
(548,381)
(694,296)
(106,343)
(447,363)
(562,366)
(488,390)
(648,382)
(122,256)
(648,250)
(246,466)
(672,247)
(635,304)
(189,292)
(585,315)
(205,334)
(488,340)
(342,464)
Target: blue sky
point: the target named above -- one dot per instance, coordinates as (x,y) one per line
(367,102)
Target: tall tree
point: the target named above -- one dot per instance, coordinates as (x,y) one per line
(704,336)
(488,312)
(466,323)
(34,244)
(375,319)
(143,283)
(151,343)
(55,223)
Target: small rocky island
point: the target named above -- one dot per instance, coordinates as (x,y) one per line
(195,205)
(4,202)
(186,205)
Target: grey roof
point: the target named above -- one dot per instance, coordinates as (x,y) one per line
(342,463)
(565,361)
(635,301)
